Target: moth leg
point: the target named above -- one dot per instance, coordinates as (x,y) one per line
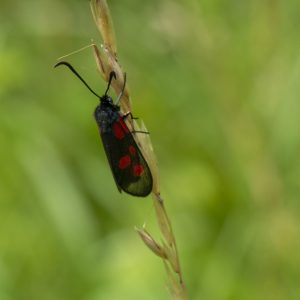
(129,114)
(134,118)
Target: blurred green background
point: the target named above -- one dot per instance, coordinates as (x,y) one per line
(217,84)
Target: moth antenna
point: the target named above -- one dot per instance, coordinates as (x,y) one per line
(111,76)
(76,74)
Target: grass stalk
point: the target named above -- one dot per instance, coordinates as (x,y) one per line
(106,59)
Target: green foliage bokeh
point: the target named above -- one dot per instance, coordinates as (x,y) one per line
(217,84)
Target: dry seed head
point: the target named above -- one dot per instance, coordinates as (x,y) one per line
(172,258)
(163,220)
(151,243)
(104,23)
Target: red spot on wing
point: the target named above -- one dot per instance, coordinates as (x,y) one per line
(123,125)
(132,150)
(118,131)
(124,162)
(138,170)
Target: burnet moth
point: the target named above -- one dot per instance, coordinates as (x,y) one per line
(128,165)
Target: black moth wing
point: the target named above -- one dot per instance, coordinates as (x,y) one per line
(130,169)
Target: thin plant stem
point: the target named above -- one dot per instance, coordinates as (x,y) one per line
(107,61)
